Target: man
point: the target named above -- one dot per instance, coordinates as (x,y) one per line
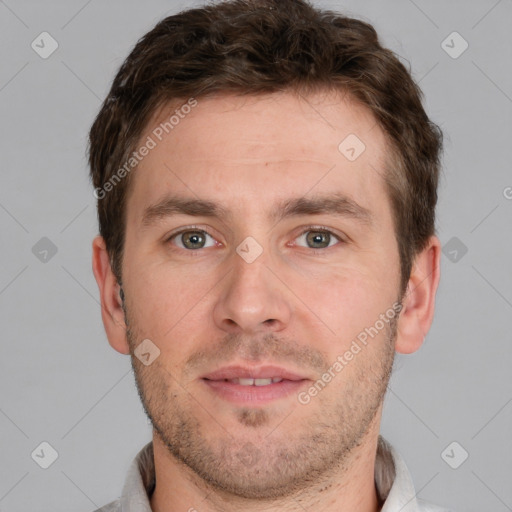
(266,180)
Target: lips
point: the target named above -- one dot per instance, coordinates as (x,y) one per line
(243,375)
(253,386)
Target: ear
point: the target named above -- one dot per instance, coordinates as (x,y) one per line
(419,299)
(111,304)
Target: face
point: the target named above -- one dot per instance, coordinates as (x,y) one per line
(257,252)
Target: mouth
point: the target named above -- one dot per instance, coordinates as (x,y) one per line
(247,381)
(253,385)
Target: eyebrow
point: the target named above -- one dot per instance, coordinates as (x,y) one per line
(333,204)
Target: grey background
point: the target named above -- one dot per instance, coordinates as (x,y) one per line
(61,382)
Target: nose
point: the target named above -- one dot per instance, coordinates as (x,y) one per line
(252,299)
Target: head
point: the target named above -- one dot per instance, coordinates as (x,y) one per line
(266,179)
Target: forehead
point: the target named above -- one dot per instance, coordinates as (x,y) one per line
(247,151)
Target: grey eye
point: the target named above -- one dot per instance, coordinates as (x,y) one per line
(318,239)
(193,239)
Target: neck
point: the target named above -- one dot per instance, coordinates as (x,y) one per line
(346,489)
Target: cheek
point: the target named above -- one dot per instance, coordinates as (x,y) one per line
(171,307)
(155,303)
(344,301)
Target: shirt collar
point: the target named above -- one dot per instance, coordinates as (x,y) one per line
(392,480)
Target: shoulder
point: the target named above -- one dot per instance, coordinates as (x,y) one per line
(424,506)
(114,506)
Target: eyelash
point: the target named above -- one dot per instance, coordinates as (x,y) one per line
(318,229)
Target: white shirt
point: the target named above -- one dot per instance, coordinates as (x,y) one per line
(392,481)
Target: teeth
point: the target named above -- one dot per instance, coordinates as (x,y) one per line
(262,382)
(245,382)
(256,382)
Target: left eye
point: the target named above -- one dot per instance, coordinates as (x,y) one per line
(318,238)
(192,239)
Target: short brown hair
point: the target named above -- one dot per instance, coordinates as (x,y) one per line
(252,47)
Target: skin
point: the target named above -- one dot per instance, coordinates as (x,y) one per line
(293,306)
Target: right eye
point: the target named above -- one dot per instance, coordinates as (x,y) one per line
(191,239)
